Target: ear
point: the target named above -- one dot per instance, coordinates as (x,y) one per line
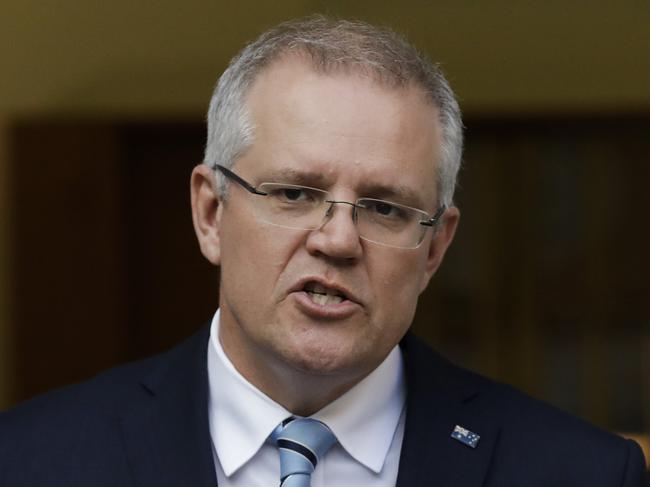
(206,212)
(438,245)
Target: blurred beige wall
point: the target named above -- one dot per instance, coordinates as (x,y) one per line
(160,58)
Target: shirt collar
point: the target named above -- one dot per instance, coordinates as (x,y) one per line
(236,409)
(364,419)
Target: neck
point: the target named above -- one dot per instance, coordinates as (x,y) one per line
(304,394)
(301,392)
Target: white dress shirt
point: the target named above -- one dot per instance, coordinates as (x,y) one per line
(368,422)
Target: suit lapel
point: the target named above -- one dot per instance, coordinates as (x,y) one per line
(166,433)
(167,439)
(440,397)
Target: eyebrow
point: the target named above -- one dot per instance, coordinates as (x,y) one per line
(397,193)
(299,177)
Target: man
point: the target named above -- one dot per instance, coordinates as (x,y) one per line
(326,200)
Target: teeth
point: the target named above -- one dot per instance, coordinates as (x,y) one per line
(322,295)
(324,299)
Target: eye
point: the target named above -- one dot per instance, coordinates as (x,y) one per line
(384,209)
(294,194)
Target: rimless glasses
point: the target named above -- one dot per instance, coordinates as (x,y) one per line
(305,208)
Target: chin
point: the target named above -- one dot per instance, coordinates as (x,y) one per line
(324,359)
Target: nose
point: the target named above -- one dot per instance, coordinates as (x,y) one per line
(338,236)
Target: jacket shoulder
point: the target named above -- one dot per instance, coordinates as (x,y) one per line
(77,425)
(557,446)
(534,440)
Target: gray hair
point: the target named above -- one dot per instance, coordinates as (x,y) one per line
(331,45)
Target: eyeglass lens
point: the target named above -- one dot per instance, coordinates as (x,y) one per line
(307,208)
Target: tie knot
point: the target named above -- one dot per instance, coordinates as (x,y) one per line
(301,442)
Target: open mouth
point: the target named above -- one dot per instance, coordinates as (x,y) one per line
(323,295)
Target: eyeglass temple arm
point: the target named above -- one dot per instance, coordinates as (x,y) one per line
(435,218)
(231,175)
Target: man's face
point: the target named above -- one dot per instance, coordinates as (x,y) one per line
(348,135)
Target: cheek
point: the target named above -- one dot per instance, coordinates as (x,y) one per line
(398,277)
(239,244)
(253,253)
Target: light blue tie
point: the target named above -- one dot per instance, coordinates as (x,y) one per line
(301,442)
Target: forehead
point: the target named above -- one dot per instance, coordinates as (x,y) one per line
(343,123)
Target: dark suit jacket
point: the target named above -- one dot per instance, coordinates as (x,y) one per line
(146,424)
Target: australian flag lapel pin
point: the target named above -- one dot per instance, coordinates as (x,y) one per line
(465,436)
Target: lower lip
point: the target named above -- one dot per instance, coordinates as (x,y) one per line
(331,311)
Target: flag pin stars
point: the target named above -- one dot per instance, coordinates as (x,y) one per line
(465,436)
